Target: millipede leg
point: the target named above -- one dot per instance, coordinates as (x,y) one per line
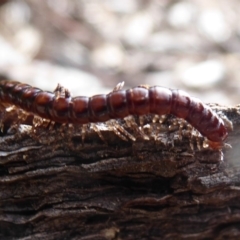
(180,123)
(227,122)
(61,91)
(131,123)
(118,87)
(114,126)
(118,129)
(141,120)
(162,119)
(190,136)
(155,118)
(96,128)
(83,132)
(198,136)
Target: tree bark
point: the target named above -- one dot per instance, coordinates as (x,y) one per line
(57,182)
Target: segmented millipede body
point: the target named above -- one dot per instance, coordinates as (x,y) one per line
(140,100)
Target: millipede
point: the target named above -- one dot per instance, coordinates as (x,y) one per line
(59,106)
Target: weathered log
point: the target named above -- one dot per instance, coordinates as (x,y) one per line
(56,183)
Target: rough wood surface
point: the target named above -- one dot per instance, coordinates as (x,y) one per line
(53,187)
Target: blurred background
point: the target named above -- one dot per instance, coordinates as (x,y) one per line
(89,45)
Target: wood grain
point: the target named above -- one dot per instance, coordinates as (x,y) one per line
(54,187)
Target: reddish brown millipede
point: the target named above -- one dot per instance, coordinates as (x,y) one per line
(60,107)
